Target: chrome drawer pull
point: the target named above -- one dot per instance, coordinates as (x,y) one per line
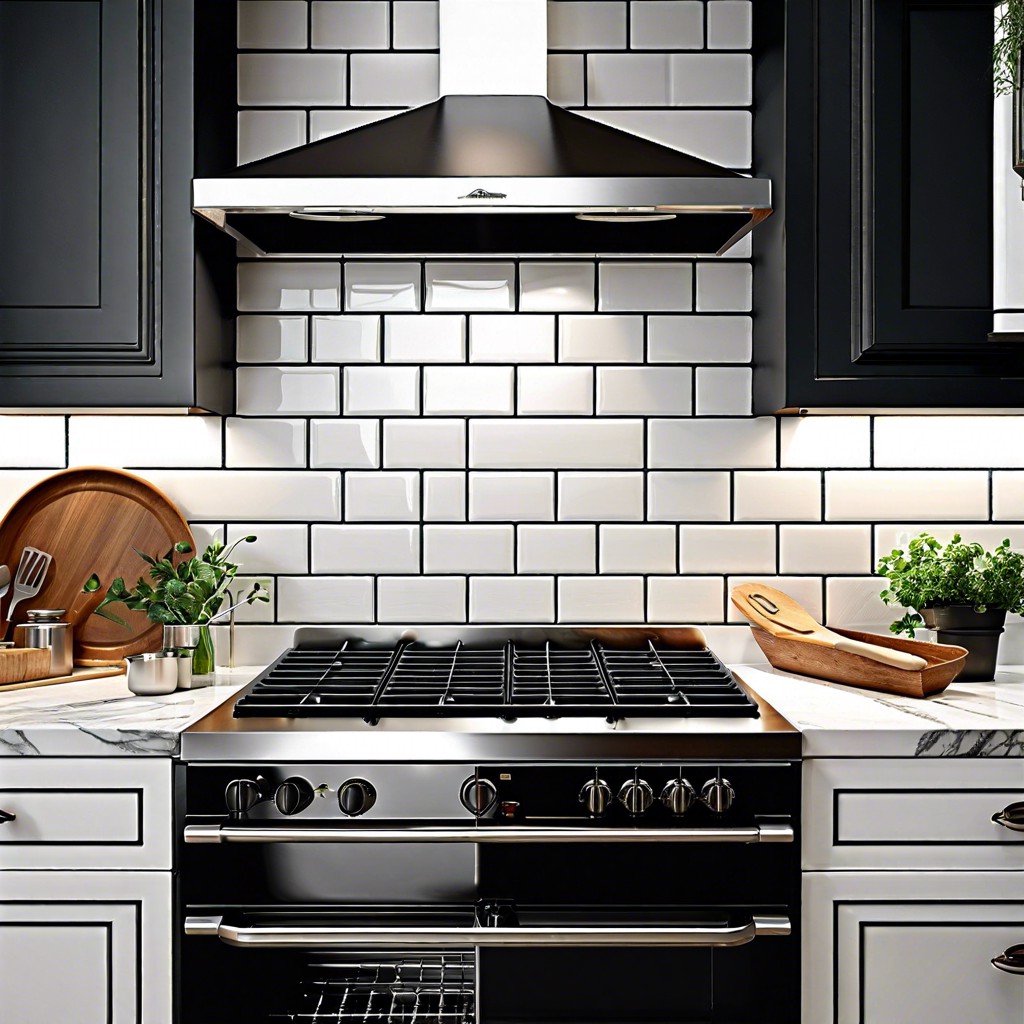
(1011,817)
(6,816)
(1011,960)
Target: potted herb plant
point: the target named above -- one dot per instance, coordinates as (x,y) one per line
(189,594)
(958,589)
(1006,68)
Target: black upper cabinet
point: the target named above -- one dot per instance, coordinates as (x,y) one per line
(106,299)
(873,286)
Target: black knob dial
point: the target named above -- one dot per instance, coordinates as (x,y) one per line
(678,795)
(718,794)
(595,796)
(636,796)
(293,795)
(478,795)
(243,795)
(356,797)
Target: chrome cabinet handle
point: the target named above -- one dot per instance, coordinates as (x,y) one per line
(6,816)
(1011,960)
(1011,817)
(331,937)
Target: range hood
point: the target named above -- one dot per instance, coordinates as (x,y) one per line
(490,167)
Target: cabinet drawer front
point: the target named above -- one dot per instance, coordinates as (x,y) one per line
(880,814)
(86,813)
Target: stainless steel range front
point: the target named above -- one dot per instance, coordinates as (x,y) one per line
(599,848)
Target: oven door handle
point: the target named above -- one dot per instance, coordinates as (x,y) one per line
(219,833)
(332,937)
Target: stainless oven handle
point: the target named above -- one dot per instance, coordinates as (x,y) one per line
(218,833)
(331,937)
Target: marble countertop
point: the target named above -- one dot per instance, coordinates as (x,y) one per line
(103,718)
(964,720)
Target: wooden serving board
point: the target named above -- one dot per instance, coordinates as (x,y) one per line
(21,663)
(79,674)
(90,519)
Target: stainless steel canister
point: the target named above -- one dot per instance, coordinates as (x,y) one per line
(154,673)
(44,629)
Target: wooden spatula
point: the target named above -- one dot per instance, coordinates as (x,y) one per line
(778,613)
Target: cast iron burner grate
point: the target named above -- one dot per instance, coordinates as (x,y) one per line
(511,680)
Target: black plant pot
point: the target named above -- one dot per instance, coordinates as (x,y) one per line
(979,632)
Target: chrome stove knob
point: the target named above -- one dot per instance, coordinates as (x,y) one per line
(636,796)
(478,795)
(355,797)
(595,796)
(293,795)
(718,794)
(678,795)
(243,795)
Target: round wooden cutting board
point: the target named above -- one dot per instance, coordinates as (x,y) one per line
(90,519)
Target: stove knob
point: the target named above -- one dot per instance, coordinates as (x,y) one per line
(242,795)
(636,796)
(478,795)
(718,794)
(293,795)
(595,796)
(678,795)
(356,797)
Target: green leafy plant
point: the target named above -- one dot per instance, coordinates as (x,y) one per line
(1007,48)
(928,574)
(187,594)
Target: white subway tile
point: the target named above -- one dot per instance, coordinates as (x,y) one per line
(425,339)
(825,549)
(394,79)
(637,549)
(601,497)
(645,286)
(271,339)
(557,390)
(291,79)
(685,599)
(511,497)
(468,390)
(592,25)
(444,497)
(666,24)
(724,390)
(415,599)
(960,441)
(711,79)
(264,444)
(688,497)
(256,611)
(266,132)
(365,549)
(254,645)
(344,25)
(726,549)
(381,390)
(898,535)
(507,599)
(1007,496)
(47,447)
(629,80)
(594,599)
(471,286)
(271,25)
(190,441)
(494,338)
(279,547)
(853,603)
(769,497)
(382,497)
(566,79)
(325,599)
(422,443)
(545,287)
(730,24)
(699,339)
(468,549)
(906,494)
(415,24)
(287,391)
(274,285)
(805,590)
(204,534)
(237,494)
(556,444)
(825,441)
(724,287)
(715,444)
(601,339)
(390,286)
(644,391)
(325,123)
(346,339)
(344,444)
(557,549)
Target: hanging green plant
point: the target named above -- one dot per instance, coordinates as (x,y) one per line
(1008,45)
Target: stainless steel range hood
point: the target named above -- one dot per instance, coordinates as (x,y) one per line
(490,167)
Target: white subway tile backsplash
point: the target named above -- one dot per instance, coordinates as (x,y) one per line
(555,390)
(425,339)
(723,390)
(635,285)
(382,497)
(444,497)
(254,645)
(365,549)
(805,590)
(688,497)
(325,123)
(279,547)
(291,79)
(494,338)
(1008,496)
(556,444)
(824,550)
(506,599)
(729,549)
(730,24)
(287,391)
(349,24)
(415,24)
(263,444)
(468,549)
(594,599)
(962,442)
(468,390)
(657,24)
(724,287)
(546,287)
(422,443)
(583,25)
(346,339)
(276,285)
(393,79)
(711,79)
(714,444)
(270,339)
(644,391)
(557,549)
(382,390)
(257,611)
(629,80)
(272,24)
(344,444)
(601,339)
(511,497)
(601,497)
(266,132)
(421,599)
(771,497)
(47,448)
(685,599)
(633,549)
(325,599)
(853,603)
(141,440)
(825,441)
(906,494)
(897,535)
(471,286)
(390,286)
(699,339)
(566,79)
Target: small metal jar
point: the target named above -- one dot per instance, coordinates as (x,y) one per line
(152,674)
(44,629)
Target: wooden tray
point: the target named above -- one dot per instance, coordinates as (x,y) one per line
(21,663)
(89,519)
(77,676)
(944,662)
